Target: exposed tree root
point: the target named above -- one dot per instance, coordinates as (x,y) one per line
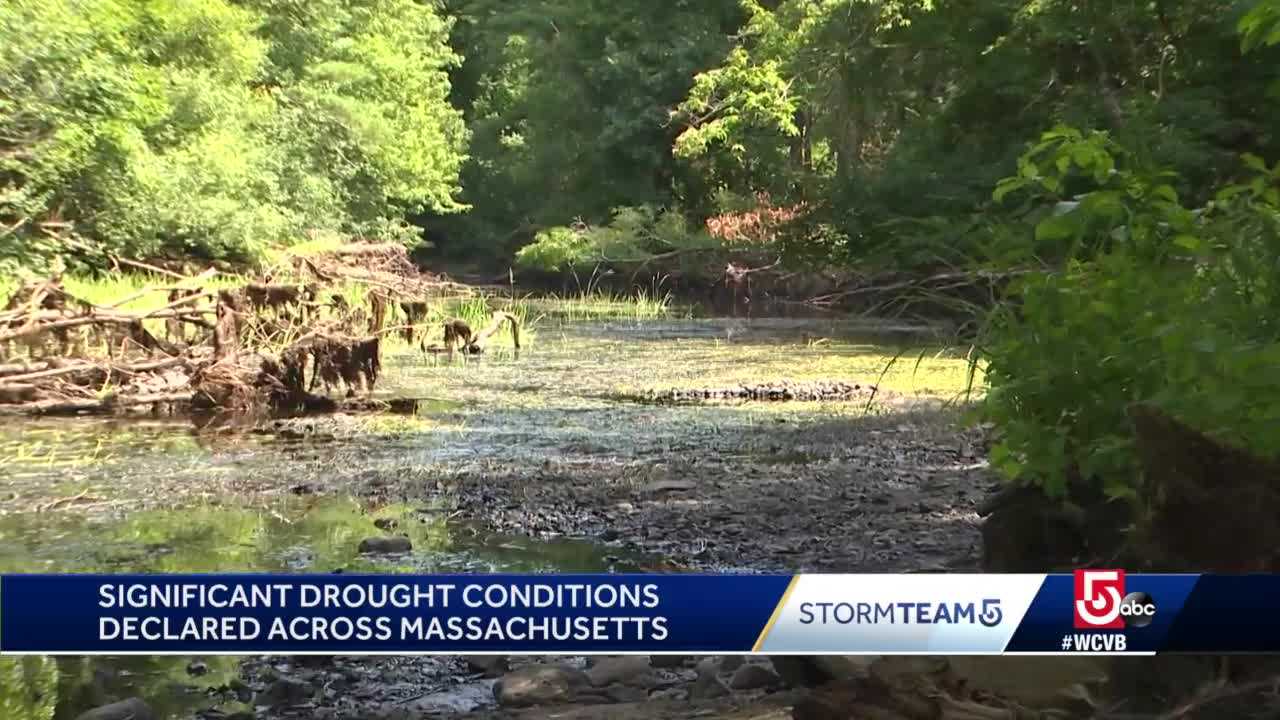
(268,345)
(458,335)
(83,358)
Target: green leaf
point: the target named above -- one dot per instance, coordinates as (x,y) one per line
(1254,162)
(1006,186)
(1057,227)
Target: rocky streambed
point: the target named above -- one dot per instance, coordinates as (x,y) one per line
(541,463)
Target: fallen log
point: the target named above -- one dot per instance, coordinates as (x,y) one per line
(80,367)
(22,368)
(96,319)
(17,393)
(108,404)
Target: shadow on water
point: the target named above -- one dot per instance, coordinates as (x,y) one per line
(315,535)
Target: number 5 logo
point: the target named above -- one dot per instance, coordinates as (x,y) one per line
(1098,594)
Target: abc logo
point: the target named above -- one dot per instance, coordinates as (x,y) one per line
(1137,609)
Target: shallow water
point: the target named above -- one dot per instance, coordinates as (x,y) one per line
(172,496)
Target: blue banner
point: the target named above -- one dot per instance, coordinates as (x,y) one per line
(1089,611)
(76,614)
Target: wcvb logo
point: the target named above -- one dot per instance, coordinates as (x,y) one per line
(1098,594)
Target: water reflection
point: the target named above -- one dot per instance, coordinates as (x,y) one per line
(298,534)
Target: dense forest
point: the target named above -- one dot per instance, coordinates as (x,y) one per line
(574,131)
(1120,161)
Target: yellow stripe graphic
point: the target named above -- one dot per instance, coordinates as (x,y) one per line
(777,611)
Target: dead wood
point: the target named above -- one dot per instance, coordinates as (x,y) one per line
(99,368)
(332,362)
(17,393)
(95,318)
(238,383)
(377,312)
(22,368)
(262,295)
(107,404)
(226,330)
(414,313)
(64,339)
(455,332)
(499,319)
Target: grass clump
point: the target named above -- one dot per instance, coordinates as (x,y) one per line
(600,304)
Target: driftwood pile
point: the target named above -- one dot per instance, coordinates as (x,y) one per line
(268,345)
(383,265)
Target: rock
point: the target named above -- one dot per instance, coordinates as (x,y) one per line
(491,665)
(837,703)
(729,663)
(131,709)
(845,667)
(798,671)
(283,692)
(386,523)
(627,669)
(620,693)
(387,711)
(669,662)
(1033,687)
(671,693)
(753,677)
(707,687)
(243,692)
(195,668)
(539,685)
(385,545)
(666,486)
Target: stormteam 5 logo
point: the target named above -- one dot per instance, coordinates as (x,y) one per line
(1101,602)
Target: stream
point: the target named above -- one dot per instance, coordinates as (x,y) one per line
(536,461)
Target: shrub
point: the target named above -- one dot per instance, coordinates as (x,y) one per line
(1155,302)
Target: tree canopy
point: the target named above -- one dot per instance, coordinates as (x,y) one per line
(217,128)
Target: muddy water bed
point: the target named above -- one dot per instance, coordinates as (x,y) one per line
(535,462)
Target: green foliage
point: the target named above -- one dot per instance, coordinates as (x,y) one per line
(635,235)
(568,105)
(28,687)
(557,249)
(1156,303)
(1261,26)
(218,128)
(892,120)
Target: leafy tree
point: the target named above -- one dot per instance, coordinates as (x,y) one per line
(217,128)
(568,103)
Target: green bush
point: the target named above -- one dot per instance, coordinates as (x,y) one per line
(634,236)
(1155,303)
(219,128)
